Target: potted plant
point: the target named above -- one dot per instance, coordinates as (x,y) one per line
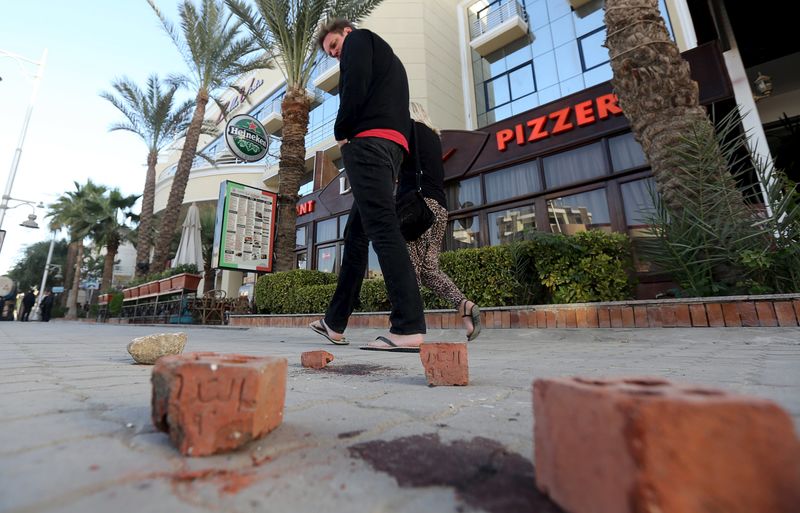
(186,277)
(164,284)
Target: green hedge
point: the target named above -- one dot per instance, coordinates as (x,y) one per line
(278,293)
(549,268)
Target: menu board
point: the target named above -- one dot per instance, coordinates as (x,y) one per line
(244,228)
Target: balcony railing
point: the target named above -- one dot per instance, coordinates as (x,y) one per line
(495,14)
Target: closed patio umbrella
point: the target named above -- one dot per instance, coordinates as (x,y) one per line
(190,248)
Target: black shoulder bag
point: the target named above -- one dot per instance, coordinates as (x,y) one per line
(413,213)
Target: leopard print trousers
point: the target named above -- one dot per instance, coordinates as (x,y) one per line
(424,253)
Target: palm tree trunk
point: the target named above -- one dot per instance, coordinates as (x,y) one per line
(69,268)
(169,218)
(294,109)
(146,216)
(108,265)
(657,95)
(72,312)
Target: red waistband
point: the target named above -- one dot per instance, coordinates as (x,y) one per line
(386,133)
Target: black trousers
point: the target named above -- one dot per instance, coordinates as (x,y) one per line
(372,164)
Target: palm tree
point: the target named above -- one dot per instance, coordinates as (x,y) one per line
(108,231)
(153,115)
(70,211)
(661,101)
(216,55)
(285,30)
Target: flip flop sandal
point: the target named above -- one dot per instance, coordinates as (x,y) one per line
(322,329)
(390,347)
(475,314)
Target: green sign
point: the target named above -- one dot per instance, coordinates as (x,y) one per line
(246,138)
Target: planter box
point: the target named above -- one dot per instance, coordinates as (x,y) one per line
(186,281)
(103,298)
(142,290)
(152,287)
(130,293)
(164,285)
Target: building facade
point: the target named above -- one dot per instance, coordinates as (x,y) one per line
(532,136)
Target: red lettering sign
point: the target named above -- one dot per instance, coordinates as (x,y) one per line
(560,121)
(305,208)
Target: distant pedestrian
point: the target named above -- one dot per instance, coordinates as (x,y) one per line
(425,251)
(46,305)
(28,300)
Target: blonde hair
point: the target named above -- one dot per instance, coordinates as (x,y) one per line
(419,115)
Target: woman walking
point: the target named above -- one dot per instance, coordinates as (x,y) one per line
(425,251)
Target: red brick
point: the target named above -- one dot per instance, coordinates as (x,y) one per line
(668,317)
(591,317)
(572,320)
(670,448)
(515,318)
(730,312)
(561,318)
(654,316)
(541,319)
(498,319)
(640,316)
(747,313)
(445,363)
(505,319)
(715,316)
(628,320)
(785,313)
(682,318)
(766,313)
(797,308)
(603,317)
(580,318)
(488,321)
(698,313)
(315,359)
(211,402)
(615,313)
(551,318)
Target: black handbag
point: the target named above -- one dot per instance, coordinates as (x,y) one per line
(413,213)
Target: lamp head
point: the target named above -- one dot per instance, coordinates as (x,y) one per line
(30,222)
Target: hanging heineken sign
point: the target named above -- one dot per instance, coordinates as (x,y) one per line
(246,138)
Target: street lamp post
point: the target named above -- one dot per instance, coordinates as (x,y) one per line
(18,152)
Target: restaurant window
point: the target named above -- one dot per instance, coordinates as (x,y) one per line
(373,266)
(327,230)
(463,233)
(302,260)
(579,212)
(301,237)
(626,153)
(514,181)
(593,53)
(637,199)
(574,166)
(342,225)
(326,259)
(465,194)
(513,224)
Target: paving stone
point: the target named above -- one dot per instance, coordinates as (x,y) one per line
(672,448)
(210,402)
(445,363)
(315,359)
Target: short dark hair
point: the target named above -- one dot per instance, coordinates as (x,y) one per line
(336,25)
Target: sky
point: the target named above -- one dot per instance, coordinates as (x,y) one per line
(89,44)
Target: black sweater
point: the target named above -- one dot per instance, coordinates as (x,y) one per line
(430,154)
(373,87)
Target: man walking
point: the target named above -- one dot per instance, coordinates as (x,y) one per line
(28,300)
(372,128)
(47,305)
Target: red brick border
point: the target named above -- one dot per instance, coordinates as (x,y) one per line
(781,310)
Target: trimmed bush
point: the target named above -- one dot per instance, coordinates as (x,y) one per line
(276,293)
(588,266)
(115,304)
(484,275)
(374,297)
(312,298)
